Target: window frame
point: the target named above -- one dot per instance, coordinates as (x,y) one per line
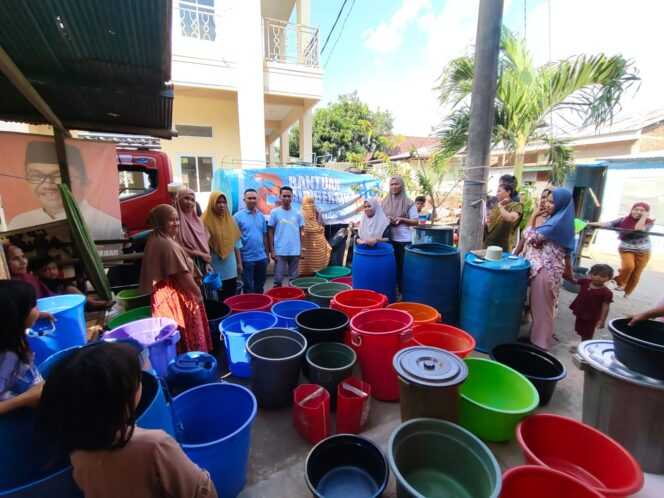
(197,156)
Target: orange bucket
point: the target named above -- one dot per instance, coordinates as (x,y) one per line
(439,335)
(421,313)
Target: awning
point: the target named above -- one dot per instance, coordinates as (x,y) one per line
(99,65)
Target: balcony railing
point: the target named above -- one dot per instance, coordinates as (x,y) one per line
(291,43)
(197,19)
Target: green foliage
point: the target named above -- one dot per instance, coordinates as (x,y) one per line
(561,160)
(527,95)
(346,127)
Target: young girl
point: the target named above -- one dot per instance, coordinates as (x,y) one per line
(89,404)
(20,382)
(591,306)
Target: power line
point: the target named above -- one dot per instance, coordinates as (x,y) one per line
(340,33)
(333,26)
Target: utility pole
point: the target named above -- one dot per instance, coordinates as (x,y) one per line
(476,170)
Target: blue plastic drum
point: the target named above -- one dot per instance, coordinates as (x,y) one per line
(236,329)
(374,268)
(492,297)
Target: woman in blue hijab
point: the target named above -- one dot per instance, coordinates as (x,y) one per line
(548,248)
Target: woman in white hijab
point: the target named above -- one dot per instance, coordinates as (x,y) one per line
(373,224)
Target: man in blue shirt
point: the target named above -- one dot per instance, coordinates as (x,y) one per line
(285,238)
(254,243)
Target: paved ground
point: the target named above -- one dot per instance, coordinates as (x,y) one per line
(278,453)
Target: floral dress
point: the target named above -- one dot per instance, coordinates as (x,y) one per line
(550,256)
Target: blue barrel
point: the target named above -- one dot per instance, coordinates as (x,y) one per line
(433,234)
(374,268)
(190,369)
(236,329)
(286,311)
(46,338)
(33,466)
(492,297)
(431,276)
(216,421)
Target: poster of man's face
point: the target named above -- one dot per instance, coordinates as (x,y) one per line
(30,191)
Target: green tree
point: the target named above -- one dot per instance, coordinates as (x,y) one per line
(344,127)
(527,96)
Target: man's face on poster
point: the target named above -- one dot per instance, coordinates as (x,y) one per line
(44,182)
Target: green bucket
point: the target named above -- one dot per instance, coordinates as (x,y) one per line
(306,282)
(129,316)
(322,294)
(333,272)
(494,399)
(132,298)
(431,457)
(327,364)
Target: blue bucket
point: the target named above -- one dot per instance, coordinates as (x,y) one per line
(216,421)
(33,466)
(286,311)
(213,281)
(159,335)
(46,337)
(236,329)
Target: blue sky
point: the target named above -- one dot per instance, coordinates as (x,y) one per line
(391,51)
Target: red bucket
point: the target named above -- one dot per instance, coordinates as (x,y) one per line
(344,280)
(580,451)
(527,481)
(376,335)
(353,404)
(311,412)
(438,335)
(285,293)
(249,302)
(353,301)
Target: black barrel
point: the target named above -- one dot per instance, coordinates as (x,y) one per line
(216,311)
(276,356)
(322,325)
(639,347)
(539,367)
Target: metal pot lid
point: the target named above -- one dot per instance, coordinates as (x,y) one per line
(600,355)
(429,366)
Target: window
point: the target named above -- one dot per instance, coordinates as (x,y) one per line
(194,131)
(197,19)
(197,172)
(135,181)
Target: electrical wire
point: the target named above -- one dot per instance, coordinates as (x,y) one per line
(333,26)
(340,33)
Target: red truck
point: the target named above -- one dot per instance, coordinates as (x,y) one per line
(144,176)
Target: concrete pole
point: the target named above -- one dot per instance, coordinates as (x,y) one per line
(476,170)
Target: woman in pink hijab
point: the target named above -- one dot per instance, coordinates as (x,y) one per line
(192,235)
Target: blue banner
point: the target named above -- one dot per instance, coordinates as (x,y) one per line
(338,195)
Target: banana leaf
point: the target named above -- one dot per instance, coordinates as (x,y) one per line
(84,247)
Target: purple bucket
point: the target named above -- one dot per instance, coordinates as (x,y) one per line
(159,335)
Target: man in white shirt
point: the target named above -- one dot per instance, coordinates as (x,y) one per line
(42,174)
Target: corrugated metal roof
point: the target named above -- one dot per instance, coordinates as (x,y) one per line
(96,63)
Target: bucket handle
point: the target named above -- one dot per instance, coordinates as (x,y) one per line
(405,335)
(177,423)
(311,396)
(39,333)
(354,390)
(355,339)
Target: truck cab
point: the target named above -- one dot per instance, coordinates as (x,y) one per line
(143,177)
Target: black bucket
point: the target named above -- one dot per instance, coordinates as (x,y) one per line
(276,356)
(539,367)
(639,347)
(328,364)
(216,311)
(322,325)
(346,465)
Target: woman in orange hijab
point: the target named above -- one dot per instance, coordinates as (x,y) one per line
(169,274)
(318,250)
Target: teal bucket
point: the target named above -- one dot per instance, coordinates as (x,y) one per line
(33,466)
(47,338)
(216,421)
(432,457)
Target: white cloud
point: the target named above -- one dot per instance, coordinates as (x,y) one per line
(388,36)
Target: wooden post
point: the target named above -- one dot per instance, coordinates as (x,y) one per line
(476,170)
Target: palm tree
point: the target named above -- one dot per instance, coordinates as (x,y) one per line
(589,86)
